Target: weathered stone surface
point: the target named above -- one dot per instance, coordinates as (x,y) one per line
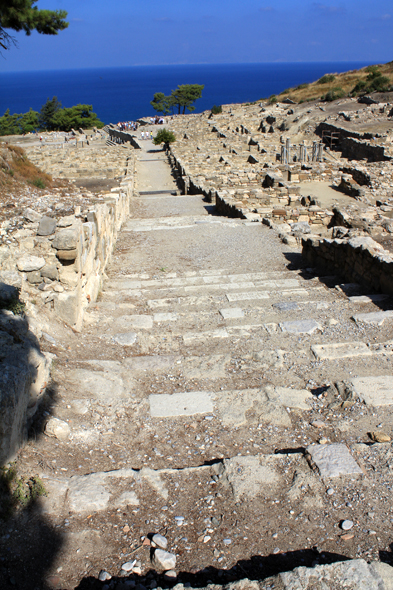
(333,460)
(375,391)
(231,313)
(181,404)
(67,254)
(300,326)
(57,428)
(340,350)
(163,559)
(353,575)
(249,477)
(65,239)
(32,215)
(28,263)
(46,226)
(294,398)
(375,317)
(50,272)
(125,339)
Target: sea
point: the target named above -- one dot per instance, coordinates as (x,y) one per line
(124,94)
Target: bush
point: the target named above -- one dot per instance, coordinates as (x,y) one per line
(374,82)
(333,94)
(39,183)
(272,99)
(301,86)
(326,79)
(216,110)
(164,136)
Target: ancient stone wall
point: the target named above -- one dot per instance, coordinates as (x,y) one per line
(354,149)
(359,260)
(55,265)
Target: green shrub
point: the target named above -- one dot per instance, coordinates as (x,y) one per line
(272,99)
(333,94)
(216,110)
(287,91)
(39,183)
(326,79)
(301,86)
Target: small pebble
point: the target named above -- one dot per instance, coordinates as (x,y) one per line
(160,541)
(330,492)
(346,525)
(206,538)
(127,567)
(227,541)
(171,574)
(347,536)
(103,576)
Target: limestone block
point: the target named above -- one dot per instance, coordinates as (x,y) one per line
(29,263)
(66,239)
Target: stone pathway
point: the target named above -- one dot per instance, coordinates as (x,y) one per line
(221,399)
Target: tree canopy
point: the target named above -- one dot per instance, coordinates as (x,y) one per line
(17,124)
(22,15)
(164,136)
(181,99)
(52,117)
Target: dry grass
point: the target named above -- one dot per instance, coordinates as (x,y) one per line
(346,81)
(15,167)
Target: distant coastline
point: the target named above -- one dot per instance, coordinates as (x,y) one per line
(120,94)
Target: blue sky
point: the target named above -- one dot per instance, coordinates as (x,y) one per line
(110,33)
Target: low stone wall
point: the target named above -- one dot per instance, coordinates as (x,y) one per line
(123,137)
(359,260)
(56,267)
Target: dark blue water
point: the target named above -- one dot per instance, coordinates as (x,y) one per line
(120,94)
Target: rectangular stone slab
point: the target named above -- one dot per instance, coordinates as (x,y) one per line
(333,460)
(375,317)
(247,296)
(232,312)
(375,391)
(300,326)
(340,350)
(181,404)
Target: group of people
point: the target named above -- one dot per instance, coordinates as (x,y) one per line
(157,120)
(127,126)
(147,135)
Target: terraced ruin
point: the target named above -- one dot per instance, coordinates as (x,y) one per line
(206,406)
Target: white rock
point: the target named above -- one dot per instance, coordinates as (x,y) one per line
(160,541)
(28,263)
(164,560)
(104,576)
(57,428)
(128,566)
(346,525)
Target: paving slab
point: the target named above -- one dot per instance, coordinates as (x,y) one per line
(294,398)
(374,317)
(340,350)
(300,326)
(193,337)
(354,574)
(333,460)
(286,305)
(126,338)
(232,312)
(249,296)
(181,404)
(165,317)
(374,391)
